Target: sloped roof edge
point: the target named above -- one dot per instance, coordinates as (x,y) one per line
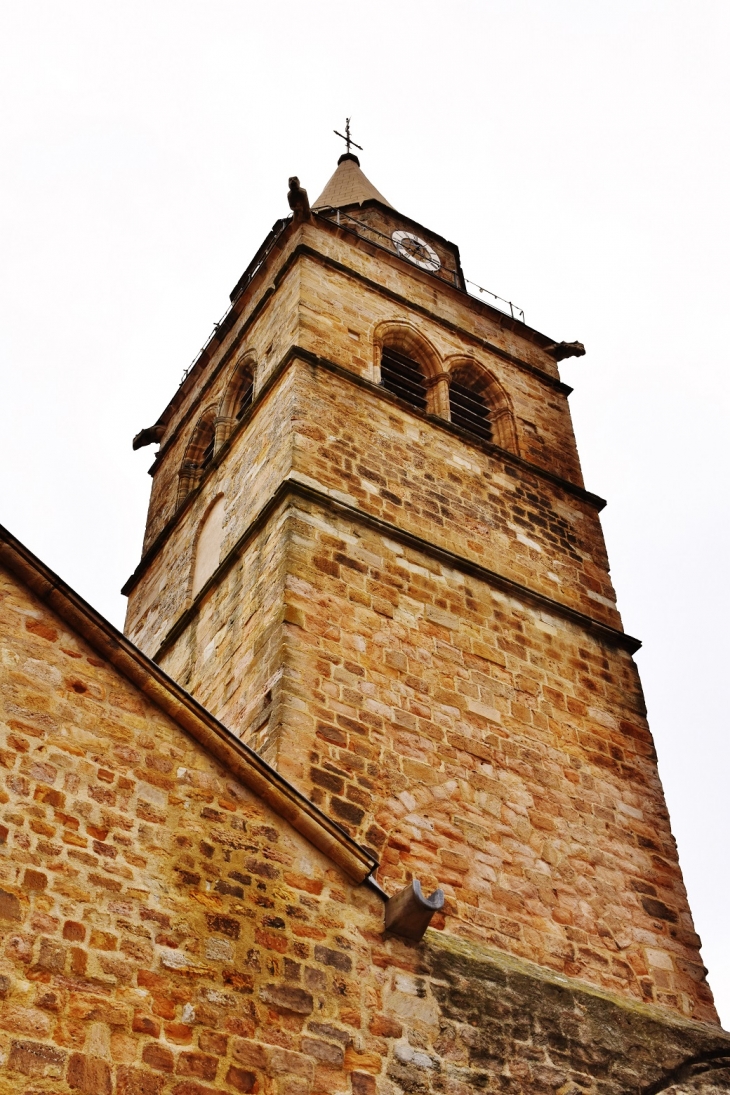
(348,185)
(241,761)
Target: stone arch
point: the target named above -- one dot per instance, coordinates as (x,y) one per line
(237,397)
(473,375)
(198,454)
(208,543)
(410,344)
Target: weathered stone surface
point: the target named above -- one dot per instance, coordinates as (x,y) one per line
(419,630)
(504,1017)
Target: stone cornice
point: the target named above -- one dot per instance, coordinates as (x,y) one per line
(297,353)
(293,487)
(241,761)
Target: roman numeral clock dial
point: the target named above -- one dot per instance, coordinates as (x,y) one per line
(412,247)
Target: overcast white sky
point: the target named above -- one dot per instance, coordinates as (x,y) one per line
(576,151)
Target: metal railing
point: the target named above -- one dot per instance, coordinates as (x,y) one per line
(249,273)
(514,311)
(364,231)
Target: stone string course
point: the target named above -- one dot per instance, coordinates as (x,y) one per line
(474,743)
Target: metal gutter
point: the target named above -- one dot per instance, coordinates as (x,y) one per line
(240,760)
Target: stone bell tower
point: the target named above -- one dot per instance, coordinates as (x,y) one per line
(371,554)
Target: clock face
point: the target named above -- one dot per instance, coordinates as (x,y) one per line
(416,250)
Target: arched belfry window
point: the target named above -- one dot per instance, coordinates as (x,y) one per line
(403,376)
(207,454)
(202,444)
(199,453)
(469,407)
(406,363)
(244,396)
(238,397)
(479,404)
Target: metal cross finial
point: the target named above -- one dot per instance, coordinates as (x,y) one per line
(346,136)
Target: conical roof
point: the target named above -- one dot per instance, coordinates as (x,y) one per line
(348,186)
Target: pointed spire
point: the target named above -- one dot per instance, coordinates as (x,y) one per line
(348,186)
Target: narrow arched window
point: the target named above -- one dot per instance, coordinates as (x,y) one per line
(469,407)
(208,440)
(208,548)
(244,397)
(198,455)
(404,377)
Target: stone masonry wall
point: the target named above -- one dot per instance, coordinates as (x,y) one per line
(231,656)
(341,316)
(488,747)
(425,292)
(478,1021)
(380,457)
(260,459)
(336,316)
(162,932)
(470,740)
(267,339)
(411,473)
(498,749)
(468,735)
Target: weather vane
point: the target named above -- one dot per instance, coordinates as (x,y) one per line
(346,136)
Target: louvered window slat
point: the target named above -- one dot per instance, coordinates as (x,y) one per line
(403,377)
(245,400)
(207,452)
(469,410)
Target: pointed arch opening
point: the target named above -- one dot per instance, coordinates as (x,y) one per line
(238,396)
(407,365)
(479,404)
(199,453)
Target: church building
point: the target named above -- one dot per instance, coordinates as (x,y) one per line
(364,800)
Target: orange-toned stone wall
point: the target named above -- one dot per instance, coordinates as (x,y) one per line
(337,314)
(489,747)
(395,466)
(161,929)
(471,740)
(162,932)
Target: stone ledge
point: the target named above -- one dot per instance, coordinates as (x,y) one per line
(295,486)
(577,1034)
(296,353)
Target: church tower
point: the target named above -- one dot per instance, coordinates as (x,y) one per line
(370,553)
